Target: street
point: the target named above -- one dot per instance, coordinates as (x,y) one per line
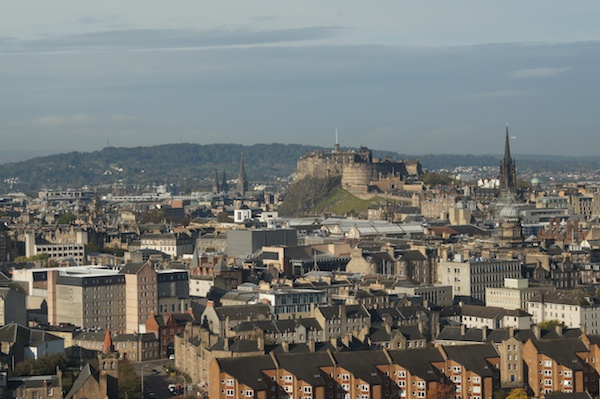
(157,383)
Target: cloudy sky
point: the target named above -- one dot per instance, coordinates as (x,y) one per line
(410,76)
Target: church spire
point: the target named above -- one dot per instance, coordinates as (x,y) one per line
(242,184)
(508,173)
(224,186)
(215,188)
(108,346)
(507,145)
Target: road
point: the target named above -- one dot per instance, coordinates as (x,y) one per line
(157,383)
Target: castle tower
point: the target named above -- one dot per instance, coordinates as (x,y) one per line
(224,186)
(242,184)
(215,187)
(508,174)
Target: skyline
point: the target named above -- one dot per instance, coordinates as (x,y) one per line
(411,78)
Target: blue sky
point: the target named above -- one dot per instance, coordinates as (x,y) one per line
(409,76)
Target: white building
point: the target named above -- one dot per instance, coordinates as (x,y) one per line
(567,307)
(514,295)
(470,278)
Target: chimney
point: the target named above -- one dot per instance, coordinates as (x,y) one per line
(463,330)
(334,342)
(484,333)
(226,344)
(583,329)
(559,330)
(210,304)
(537,331)
(511,332)
(388,328)
(311,345)
(285,346)
(260,343)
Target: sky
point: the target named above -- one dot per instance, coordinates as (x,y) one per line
(416,77)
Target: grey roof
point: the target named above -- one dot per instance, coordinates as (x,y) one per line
(86,373)
(485,312)
(33,381)
(565,353)
(16,333)
(473,359)
(419,361)
(247,370)
(450,333)
(132,268)
(333,311)
(243,312)
(362,364)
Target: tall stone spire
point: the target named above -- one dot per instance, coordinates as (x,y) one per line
(224,186)
(508,174)
(242,183)
(215,187)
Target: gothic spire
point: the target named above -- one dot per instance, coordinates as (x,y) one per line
(224,186)
(242,184)
(215,187)
(508,173)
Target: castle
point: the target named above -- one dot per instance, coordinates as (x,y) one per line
(360,173)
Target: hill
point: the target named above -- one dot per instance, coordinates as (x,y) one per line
(192,166)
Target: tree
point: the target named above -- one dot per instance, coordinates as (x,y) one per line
(67,218)
(436,179)
(442,391)
(129,380)
(550,324)
(518,393)
(222,217)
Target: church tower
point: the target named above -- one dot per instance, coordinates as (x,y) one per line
(242,183)
(508,174)
(108,362)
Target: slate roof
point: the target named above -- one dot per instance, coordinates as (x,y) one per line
(87,372)
(16,333)
(450,333)
(333,311)
(236,346)
(132,268)
(305,366)
(565,353)
(243,312)
(362,364)
(248,371)
(418,361)
(473,359)
(484,312)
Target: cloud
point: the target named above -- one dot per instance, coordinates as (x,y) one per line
(495,94)
(535,73)
(52,121)
(147,39)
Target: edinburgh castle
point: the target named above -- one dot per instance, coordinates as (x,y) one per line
(360,173)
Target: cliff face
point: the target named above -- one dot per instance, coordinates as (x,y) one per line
(306,193)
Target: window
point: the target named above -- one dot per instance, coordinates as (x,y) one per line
(249,393)
(229,382)
(307,389)
(288,378)
(229,392)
